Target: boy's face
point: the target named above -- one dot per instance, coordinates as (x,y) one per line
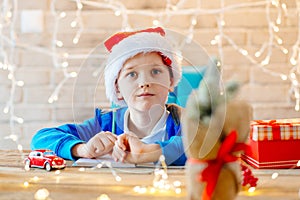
(144,81)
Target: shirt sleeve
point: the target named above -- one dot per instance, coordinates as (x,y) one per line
(61,139)
(173,151)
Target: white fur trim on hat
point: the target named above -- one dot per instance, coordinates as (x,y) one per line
(127,48)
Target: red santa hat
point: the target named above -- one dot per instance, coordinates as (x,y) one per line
(125,45)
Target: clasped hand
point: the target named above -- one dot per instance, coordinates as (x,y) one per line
(124,148)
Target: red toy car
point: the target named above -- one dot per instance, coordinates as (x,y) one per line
(43,158)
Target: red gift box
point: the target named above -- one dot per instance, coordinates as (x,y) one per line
(275,144)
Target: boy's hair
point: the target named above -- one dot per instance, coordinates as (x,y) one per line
(125,45)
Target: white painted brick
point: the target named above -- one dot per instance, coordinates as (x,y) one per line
(63,114)
(264,93)
(5,92)
(97,95)
(275,111)
(33,113)
(238,74)
(36,39)
(257,75)
(72,95)
(32,4)
(33,76)
(37,94)
(249,18)
(33,59)
(4,78)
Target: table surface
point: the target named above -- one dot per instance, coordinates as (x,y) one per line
(91,183)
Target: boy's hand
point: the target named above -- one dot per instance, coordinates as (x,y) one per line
(99,145)
(129,148)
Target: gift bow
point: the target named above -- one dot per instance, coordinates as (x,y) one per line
(275,127)
(272,122)
(225,155)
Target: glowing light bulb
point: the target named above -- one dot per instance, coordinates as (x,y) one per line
(293,75)
(117,13)
(279,40)
(79,6)
(283,77)
(155,22)
(276,28)
(118,178)
(251,189)
(81,169)
(285,51)
(75,40)
(63,14)
(103,197)
(50,100)
(278,20)
(295,82)
(41,194)
(20,147)
(222,23)
(275,3)
(20,83)
(9,14)
(178,190)
(194,22)
(177,183)
(298,163)
(10,76)
(65,64)
(35,178)
(13,137)
(257,54)
(244,52)
(20,120)
(275,175)
(213,42)
(6,109)
(293,61)
(57,172)
(59,43)
(73,74)
(26,184)
(297,108)
(73,24)
(54,97)
(65,55)
(265,61)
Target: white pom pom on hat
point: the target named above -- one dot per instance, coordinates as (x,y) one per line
(125,45)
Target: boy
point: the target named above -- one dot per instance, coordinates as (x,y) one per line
(141,69)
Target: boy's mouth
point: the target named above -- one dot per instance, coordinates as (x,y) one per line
(146,94)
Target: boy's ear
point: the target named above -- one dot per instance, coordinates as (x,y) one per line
(119,95)
(171,88)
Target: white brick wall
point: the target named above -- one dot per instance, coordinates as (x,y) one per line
(78,97)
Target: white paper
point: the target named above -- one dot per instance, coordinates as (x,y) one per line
(105,161)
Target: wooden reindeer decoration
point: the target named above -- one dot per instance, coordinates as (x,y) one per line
(215,127)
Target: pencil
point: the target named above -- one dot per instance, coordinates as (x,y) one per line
(113,126)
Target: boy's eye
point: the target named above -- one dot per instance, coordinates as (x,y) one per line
(131,74)
(156,71)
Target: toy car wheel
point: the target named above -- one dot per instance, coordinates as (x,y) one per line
(27,163)
(48,167)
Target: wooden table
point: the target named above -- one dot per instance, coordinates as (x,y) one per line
(89,184)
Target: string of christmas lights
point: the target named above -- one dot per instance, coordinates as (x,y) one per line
(8,21)
(60,57)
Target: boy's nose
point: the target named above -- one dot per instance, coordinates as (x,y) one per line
(145,85)
(144,81)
